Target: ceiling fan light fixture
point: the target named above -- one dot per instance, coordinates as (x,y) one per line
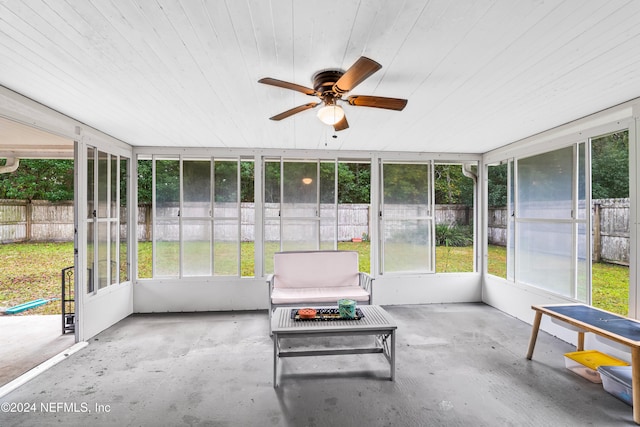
(331,114)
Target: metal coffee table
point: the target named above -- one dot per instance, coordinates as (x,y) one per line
(376,322)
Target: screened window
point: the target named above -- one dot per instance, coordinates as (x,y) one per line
(107,209)
(454,186)
(196,216)
(550,248)
(318,204)
(406,218)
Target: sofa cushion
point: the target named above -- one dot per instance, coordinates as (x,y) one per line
(318,295)
(315,269)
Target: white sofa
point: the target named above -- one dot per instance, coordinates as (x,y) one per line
(317,278)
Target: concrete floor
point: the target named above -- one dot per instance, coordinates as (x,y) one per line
(27,341)
(457,365)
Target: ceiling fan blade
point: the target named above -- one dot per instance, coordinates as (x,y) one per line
(377,102)
(341,125)
(293,111)
(287,85)
(363,68)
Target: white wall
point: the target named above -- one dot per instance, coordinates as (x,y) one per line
(193,294)
(427,289)
(106,308)
(219,294)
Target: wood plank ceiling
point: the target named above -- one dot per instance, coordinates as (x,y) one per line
(478,74)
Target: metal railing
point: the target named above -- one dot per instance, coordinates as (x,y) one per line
(68,301)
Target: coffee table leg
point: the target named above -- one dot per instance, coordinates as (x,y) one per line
(393,355)
(275,360)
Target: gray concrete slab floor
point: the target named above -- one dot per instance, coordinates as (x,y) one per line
(457,365)
(27,341)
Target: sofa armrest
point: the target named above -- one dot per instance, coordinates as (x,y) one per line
(270,281)
(366,282)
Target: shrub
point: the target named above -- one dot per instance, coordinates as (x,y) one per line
(453,235)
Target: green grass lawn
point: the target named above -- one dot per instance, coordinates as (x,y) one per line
(31,271)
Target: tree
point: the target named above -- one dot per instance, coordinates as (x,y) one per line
(144,181)
(497,193)
(39,179)
(354,183)
(610,166)
(452,186)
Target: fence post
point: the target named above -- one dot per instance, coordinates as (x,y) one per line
(597,240)
(28,211)
(147,221)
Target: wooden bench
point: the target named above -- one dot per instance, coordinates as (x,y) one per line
(317,278)
(584,318)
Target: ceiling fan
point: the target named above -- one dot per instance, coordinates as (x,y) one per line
(330,86)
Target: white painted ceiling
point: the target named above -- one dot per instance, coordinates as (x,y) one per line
(478,74)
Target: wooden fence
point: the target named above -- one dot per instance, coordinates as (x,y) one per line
(610,229)
(40,221)
(21,221)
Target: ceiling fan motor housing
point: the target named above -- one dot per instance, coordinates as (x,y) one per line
(323,82)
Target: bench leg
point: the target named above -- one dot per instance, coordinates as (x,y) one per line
(534,334)
(580,341)
(635,383)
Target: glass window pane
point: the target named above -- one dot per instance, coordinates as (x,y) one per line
(328,238)
(90,182)
(407,184)
(272,181)
(247,253)
(582,280)
(407,246)
(328,182)
(196,237)
(144,228)
(90,256)
(124,260)
(226,189)
(197,188)
(299,235)
(545,256)
(497,219)
(226,245)
(271,243)
(582,182)
(611,225)
(103,254)
(124,220)
(113,249)
(454,197)
(354,190)
(113,187)
(167,188)
(300,186)
(545,185)
(511,245)
(406,223)
(271,212)
(167,248)
(103,184)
